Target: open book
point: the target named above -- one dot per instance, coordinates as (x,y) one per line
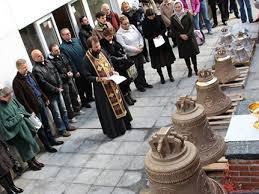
(117,78)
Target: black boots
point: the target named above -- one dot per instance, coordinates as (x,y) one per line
(129,100)
(35,165)
(8,184)
(169,71)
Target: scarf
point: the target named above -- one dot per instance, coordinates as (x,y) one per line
(179,15)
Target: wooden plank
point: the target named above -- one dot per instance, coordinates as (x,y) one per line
(219,117)
(216,167)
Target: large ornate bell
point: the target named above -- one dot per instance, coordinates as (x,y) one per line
(226,37)
(225,71)
(209,94)
(241,54)
(173,166)
(190,121)
(244,40)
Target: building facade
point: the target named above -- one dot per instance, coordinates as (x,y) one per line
(30,24)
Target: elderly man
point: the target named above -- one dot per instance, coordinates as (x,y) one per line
(75,53)
(50,83)
(29,94)
(101,25)
(16,128)
(111,17)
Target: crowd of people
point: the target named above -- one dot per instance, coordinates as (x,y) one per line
(77,72)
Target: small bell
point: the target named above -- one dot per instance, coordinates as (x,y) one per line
(209,94)
(225,71)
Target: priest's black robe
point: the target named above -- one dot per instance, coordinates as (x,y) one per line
(111,126)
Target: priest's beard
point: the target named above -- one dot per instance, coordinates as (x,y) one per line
(95,53)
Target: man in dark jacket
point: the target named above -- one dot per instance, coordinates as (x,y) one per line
(223,7)
(85,32)
(49,81)
(60,61)
(75,53)
(29,94)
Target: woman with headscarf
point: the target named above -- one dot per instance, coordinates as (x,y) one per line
(182,29)
(193,6)
(154,27)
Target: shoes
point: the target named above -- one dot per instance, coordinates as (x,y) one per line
(210,33)
(65,134)
(90,99)
(73,120)
(174,45)
(171,79)
(38,163)
(81,112)
(132,99)
(251,21)
(50,149)
(71,128)
(147,59)
(56,143)
(128,126)
(86,105)
(214,25)
(33,166)
(225,23)
(141,89)
(128,100)
(147,85)
(189,73)
(237,16)
(17,189)
(162,80)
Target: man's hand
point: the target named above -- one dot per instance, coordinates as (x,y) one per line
(77,74)
(105,80)
(47,103)
(184,36)
(60,89)
(115,73)
(33,114)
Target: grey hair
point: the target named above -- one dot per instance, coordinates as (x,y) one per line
(5,91)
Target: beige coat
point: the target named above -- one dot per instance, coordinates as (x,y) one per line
(167,10)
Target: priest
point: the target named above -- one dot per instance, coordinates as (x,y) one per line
(112,110)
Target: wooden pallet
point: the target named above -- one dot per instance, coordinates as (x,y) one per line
(238,82)
(222,121)
(216,170)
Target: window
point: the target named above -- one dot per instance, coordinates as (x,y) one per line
(30,39)
(95,6)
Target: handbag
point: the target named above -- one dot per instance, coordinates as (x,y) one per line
(35,122)
(132,72)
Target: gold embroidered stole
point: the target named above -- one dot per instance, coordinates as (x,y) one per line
(103,69)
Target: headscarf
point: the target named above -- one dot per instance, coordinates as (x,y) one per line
(180,14)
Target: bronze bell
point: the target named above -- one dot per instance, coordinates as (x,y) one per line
(225,71)
(190,121)
(226,37)
(241,54)
(244,40)
(173,166)
(209,94)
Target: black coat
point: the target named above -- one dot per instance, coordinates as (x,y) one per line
(163,55)
(111,126)
(187,48)
(25,95)
(47,77)
(84,33)
(62,64)
(5,162)
(135,17)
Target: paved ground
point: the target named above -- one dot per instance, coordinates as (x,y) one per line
(89,162)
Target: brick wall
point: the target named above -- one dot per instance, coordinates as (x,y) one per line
(244,173)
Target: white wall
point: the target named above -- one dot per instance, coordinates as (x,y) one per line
(26,12)
(11,45)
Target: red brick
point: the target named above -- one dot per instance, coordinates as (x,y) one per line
(244,161)
(250,186)
(255,179)
(241,179)
(238,168)
(233,173)
(254,168)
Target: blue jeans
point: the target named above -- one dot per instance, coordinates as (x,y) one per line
(204,14)
(196,20)
(243,12)
(59,112)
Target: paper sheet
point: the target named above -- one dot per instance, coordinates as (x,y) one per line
(159,41)
(117,78)
(241,129)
